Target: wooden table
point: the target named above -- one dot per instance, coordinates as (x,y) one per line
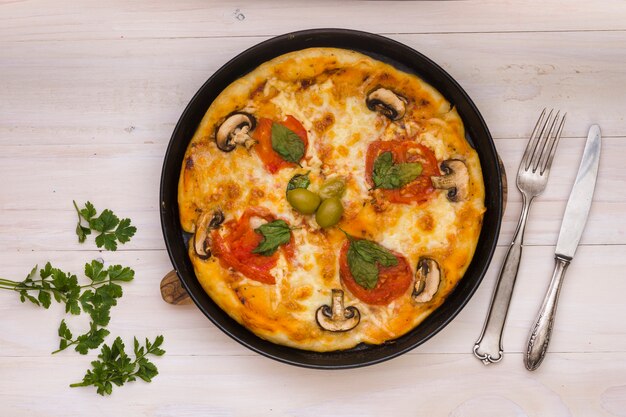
(89,95)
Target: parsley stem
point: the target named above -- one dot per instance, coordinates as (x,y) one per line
(77,211)
(68,345)
(8,287)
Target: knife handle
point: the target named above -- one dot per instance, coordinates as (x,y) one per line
(542,329)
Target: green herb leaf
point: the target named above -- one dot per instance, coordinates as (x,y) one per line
(274,233)
(111,229)
(90,340)
(364,258)
(88,212)
(95,299)
(388,175)
(365,273)
(373,252)
(299,181)
(287,143)
(125,231)
(82,232)
(107,240)
(44,298)
(94,271)
(105,221)
(120,273)
(114,366)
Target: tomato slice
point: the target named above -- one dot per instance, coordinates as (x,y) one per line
(263,135)
(418,190)
(234,249)
(392,282)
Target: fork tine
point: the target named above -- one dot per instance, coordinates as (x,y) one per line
(553,146)
(531,143)
(538,157)
(540,139)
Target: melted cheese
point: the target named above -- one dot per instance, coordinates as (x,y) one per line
(325,90)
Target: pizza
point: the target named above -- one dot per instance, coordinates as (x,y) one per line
(333,200)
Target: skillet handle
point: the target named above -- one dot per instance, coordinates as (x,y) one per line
(172,290)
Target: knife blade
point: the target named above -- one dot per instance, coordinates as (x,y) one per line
(572,226)
(579,203)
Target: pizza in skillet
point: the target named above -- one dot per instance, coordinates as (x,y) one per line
(333,200)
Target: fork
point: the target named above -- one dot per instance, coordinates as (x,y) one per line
(532,177)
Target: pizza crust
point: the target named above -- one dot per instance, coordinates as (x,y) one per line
(325,89)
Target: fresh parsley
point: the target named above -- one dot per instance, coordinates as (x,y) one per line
(114,366)
(95,298)
(274,233)
(111,229)
(287,143)
(388,175)
(364,258)
(299,181)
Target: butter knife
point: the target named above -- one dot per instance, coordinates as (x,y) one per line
(572,227)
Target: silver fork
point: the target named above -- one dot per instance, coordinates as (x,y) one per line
(532,177)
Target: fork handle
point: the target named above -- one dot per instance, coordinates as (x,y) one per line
(542,329)
(488,347)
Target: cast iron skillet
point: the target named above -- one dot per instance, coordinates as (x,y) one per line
(403,58)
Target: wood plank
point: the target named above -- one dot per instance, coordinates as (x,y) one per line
(589,319)
(40,183)
(451,385)
(42,20)
(134,91)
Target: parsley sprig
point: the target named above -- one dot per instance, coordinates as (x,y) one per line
(111,229)
(95,298)
(116,367)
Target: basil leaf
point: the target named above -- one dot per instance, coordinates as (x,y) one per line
(407,172)
(388,175)
(364,273)
(364,257)
(274,233)
(299,181)
(373,252)
(287,143)
(381,172)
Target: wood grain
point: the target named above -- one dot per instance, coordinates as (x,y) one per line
(134,90)
(434,384)
(89,95)
(172,290)
(122,20)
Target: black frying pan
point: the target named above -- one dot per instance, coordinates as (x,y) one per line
(403,58)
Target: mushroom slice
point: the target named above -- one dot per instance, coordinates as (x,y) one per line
(201,239)
(427,280)
(235,130)
(336,318)
(455,180)
(386,102)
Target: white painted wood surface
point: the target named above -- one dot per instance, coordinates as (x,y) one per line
(89,95)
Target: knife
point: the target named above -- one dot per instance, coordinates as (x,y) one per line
(572,227)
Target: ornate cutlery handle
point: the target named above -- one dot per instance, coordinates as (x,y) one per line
(542,329)
(488,348)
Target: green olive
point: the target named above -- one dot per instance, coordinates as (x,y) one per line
(334,187)
(329,212)
(303,200)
